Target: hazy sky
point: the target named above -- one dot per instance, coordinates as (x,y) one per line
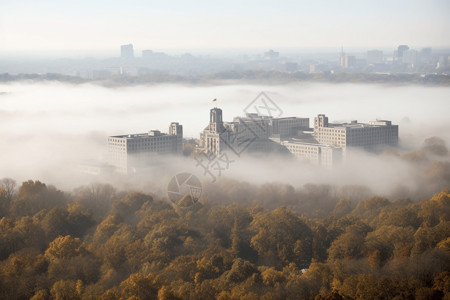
(30,25)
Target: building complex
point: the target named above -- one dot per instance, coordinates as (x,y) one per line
(323,145)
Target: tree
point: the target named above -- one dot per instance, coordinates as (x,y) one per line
(387,241)
(55,223)
(281,238)
(240,270)
(343,207)
(127,206)
(96,197)
(436,209)
(165,293)
(139,286)
(35,196)
(7,194)
(64,247)
(442,282)
(40,295)
(371,208)
(65,290)
(349,244)
(436,146)
(21,273)
(8,185)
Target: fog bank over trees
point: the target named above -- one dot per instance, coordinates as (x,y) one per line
(49,128)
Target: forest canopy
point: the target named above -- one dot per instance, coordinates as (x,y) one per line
(101,243)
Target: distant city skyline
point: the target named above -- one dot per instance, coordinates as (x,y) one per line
(50,25)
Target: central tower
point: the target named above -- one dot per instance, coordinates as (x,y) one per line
(215,120)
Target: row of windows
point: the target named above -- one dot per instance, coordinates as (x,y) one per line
(303,147)
(303,151)
(120,141)
(152,140)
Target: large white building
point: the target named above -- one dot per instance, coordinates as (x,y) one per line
(366,135)
(316,154)
(132,151)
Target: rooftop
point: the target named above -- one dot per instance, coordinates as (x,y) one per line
(152,133)
(354,124)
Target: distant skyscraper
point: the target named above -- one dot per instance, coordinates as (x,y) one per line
(426,55)
(126,51)
(147,53)
(342,58)
(271,54)
(400,51)
(374,57)
(443,62)
(410,57)
(350,61)
(291,67)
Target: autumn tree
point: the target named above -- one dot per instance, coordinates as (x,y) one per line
(34,196)
(281,237)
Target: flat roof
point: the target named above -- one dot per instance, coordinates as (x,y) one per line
(293,142)
(137,135)
(357,125)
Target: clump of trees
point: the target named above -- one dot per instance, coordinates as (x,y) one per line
(100,243)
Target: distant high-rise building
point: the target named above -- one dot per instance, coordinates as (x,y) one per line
(126,51)
(271,54)
(410,57)
(400,51)
(350,61)
(443,62)
(425,55)
(291,67)
(342,58)
(147,53)
(374,57)
(152,54)
(346,61)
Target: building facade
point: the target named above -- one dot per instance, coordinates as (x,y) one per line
(132,151)
(316,154)
(374,57)
(366,135)
(244,131)
(126,51)
(323,145)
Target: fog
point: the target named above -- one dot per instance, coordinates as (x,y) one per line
(49,128)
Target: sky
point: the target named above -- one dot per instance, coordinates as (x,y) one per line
(55,25)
